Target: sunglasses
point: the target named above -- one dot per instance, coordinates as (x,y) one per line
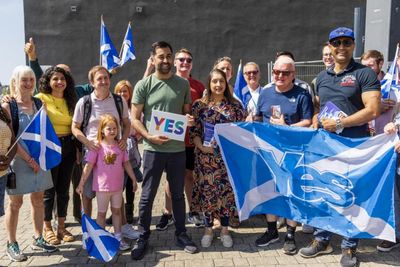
(248,73)
(183,59)
(345,43)
(279,72)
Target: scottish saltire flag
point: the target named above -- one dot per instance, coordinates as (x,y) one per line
(108,55)
(42,141)
(240,90)
(98,242)
(128,49)
(389,81)
(338,184)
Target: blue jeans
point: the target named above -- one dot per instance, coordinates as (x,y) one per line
(325,236)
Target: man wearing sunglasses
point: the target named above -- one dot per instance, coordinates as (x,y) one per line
(355,90)
(284,103)
(251,72)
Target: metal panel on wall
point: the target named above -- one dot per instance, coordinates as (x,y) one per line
(68,30)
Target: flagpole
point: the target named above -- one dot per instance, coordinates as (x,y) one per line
(19,137)
(101,24)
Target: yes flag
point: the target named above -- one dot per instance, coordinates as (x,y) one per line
(42,141)
(128,49)
(339,184)
(108,55)
(240,90)
(389,81)
(98,242)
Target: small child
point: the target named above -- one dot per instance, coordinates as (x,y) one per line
(108,164)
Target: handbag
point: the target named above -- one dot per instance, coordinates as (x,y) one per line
(11,179)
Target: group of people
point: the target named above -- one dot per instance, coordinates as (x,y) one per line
(100,130)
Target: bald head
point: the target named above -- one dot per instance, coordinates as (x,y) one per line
(285,60)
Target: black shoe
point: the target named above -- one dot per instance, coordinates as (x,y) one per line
(267,238)
(139,249)
(349,258)
(386,246)
(165,221)
(315,248)
(129,219)
(289,247)
(109,220)
(184,241)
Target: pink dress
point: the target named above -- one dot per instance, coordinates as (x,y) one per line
(108,169)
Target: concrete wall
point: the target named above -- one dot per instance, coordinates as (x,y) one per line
(250,30)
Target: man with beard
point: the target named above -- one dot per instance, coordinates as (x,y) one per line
(166,92)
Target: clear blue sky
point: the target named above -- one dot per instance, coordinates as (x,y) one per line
(12,34)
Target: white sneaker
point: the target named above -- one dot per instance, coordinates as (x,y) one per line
(227,240)
(206,240)
(307,229)
(124,245)
(128,232)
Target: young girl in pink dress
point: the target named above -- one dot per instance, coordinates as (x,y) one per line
(108,164)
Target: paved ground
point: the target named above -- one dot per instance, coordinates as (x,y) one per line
(164,253)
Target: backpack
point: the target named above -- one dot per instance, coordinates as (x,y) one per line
(14,112)
(87,109)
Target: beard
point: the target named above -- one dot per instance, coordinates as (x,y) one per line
(164,68)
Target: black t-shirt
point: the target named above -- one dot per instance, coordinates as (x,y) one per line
(344,89)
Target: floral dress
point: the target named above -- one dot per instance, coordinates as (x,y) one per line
(212,191)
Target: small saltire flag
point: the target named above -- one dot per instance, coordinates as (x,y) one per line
(42,141)
(339,184)
(389,81)
(128,49)
(98,242)
(240,90)
(108,55)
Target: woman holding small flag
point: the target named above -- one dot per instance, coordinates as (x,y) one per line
(30,179)
(57,91)
(212,187)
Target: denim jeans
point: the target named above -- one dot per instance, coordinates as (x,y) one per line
(325,236)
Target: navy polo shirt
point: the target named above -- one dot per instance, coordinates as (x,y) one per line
(296,104)
(344,89)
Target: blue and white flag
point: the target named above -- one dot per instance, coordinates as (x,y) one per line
(389,81)
(98,242)
(331,182)
(108,55)
(42,141)
(240,90)
(128,49)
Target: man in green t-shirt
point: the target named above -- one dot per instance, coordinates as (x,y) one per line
(163,91)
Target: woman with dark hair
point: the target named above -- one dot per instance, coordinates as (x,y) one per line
(57,92)
(212,188)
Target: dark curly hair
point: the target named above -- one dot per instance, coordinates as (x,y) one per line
(69,92)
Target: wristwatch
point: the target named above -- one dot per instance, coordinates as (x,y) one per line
(339,124)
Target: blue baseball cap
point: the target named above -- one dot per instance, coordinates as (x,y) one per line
(341,32)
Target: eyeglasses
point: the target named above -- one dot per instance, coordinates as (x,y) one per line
(248,73)
(345,43)
(284,72)
(183,59)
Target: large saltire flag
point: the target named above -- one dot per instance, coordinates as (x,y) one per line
(240,90)
(108,55)
(42,141)
(98,242)
(338,184)
(389,81)
(128,49)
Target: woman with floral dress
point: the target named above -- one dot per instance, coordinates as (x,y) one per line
(212,187)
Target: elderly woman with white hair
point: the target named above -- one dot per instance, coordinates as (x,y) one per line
(30,179)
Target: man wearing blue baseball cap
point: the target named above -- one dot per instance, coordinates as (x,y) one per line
(355,90)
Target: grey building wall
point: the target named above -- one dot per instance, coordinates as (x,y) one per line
(251,30)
